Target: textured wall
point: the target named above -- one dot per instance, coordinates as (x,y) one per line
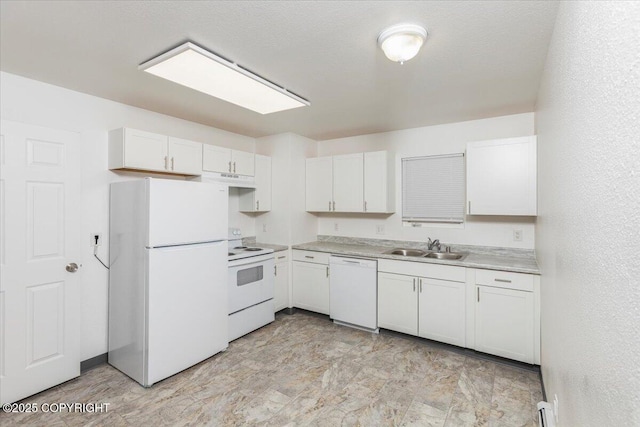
(588,228)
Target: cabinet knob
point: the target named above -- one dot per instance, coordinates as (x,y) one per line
(172,163)
(257,205)
(234,167)
(229,166)
(166,162)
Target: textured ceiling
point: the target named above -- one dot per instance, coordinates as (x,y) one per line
(481,58)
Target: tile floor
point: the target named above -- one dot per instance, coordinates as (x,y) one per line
(302,370)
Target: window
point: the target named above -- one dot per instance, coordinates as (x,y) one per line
(433,188)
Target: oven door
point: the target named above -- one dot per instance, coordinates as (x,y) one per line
(250,281)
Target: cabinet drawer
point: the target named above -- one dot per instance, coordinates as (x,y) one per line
(504,279)
(311,256)
(282,256)
(421,269)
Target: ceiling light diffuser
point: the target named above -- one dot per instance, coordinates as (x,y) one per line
(402,42)
(194,67)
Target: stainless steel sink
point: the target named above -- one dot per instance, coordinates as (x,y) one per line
(444,255)
(406,252)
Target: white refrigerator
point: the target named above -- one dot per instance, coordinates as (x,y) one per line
(168,276)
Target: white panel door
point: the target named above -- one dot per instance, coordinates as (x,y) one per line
(187,305)
(182,212)
(319,184)
(185,156)
(504,323)
(39,225)
(442,311)
(348,183)
(398,303)
(242,163)
(216,159)
(145,150)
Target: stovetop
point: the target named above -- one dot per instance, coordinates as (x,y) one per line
(238,251)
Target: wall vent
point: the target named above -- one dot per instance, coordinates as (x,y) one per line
(545,415)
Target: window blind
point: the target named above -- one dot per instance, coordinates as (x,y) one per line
(433,188)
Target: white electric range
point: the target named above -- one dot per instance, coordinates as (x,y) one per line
(251,282)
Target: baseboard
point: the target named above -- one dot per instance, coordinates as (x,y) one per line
(544,392)
(89,364)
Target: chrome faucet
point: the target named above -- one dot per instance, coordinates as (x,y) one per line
(432,244)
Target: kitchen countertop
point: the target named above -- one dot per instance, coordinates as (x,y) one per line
(276,248)
(501,259)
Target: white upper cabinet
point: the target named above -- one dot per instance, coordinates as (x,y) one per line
(501,177)
(258,200)
(348,185)
(225,160)
(185,156)
(216,159)
(319,184)
(243,163)
(359,182)
(378,182)
(140,150)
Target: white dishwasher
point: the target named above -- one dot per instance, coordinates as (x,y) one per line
(353,292)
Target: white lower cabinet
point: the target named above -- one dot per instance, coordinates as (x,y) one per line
(430,304)
(310,290)
(507,321)
(281,282)
(442,311)
(397,303)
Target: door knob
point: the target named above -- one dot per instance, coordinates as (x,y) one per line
(72,267)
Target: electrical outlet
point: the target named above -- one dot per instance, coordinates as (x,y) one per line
(264,228)
(335,226)
(517,235)
(555,407)
(379,229)
(96,239)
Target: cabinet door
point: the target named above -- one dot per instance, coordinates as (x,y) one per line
(398,303)
(441,308)
(376,182)
(145,150)
(216,159)
(311,286)
(281,293)
(504,323)
(501,177)
(242,163)
(185,156)
(319,190)
(348,183)
(263,183)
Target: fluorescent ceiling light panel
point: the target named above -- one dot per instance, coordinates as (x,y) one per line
(196,68)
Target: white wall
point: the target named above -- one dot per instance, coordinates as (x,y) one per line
(288,222)
(37,103)
(587,232)
(431,140)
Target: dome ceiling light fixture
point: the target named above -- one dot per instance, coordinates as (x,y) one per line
(402,42)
